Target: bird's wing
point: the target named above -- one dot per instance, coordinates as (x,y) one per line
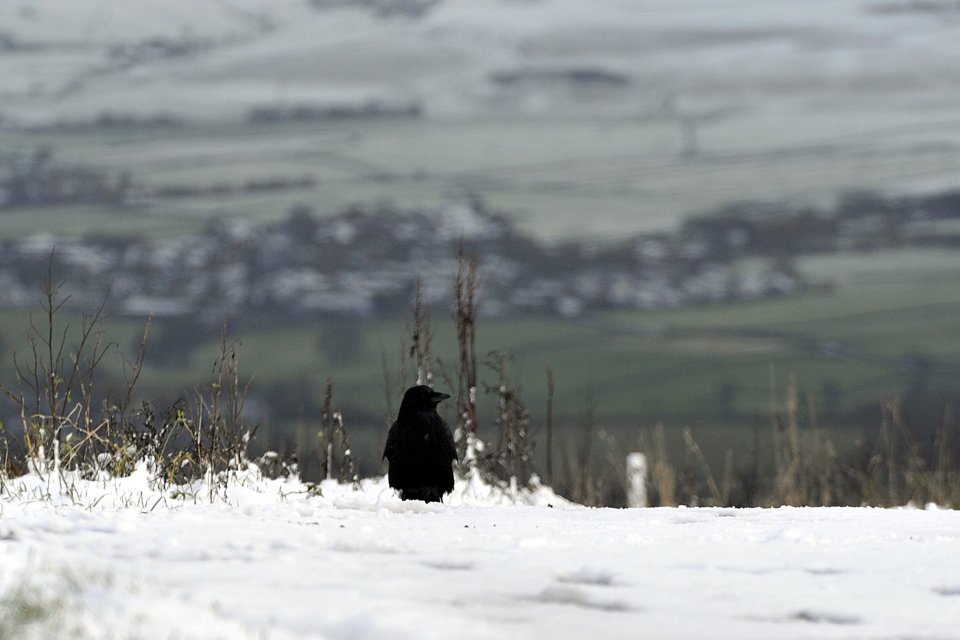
(452,447)
(446,438)
(392,442)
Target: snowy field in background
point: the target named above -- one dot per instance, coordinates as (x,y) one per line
(638,112)
(459,58)
(270,561)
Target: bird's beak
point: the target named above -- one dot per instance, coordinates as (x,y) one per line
(440,397)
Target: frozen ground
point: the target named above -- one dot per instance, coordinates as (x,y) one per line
(269,561)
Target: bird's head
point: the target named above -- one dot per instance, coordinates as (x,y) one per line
(421,398)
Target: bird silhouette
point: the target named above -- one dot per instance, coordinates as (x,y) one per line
(420,448)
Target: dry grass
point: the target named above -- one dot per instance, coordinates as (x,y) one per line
(894,465)
(71,422)
(68,424)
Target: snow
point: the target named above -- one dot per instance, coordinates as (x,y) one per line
(64,62)
(269,559)
(711,102)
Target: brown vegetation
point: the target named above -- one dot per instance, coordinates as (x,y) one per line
(72,420)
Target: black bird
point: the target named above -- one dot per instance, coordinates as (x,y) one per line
(420,448)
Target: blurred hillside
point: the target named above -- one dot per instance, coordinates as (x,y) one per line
(638,112)
(678,206)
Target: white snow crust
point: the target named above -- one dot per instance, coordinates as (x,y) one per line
(268,559)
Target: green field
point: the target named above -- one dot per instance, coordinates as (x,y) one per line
(634,369)
(641,367)
(557,178)
(711,367)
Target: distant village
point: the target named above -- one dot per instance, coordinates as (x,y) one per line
(366,261)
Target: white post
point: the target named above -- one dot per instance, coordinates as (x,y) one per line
(636,480)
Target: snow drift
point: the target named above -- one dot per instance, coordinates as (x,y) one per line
(275,559)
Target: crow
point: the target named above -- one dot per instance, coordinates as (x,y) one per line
(420,448)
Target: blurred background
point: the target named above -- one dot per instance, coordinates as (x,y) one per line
(691,213)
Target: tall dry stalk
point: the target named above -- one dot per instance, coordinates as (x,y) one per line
(54,392)
(465,318)
(549,452)
(422,339)
(663,474)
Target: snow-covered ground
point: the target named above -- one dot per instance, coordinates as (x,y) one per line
(268,560)
(639,112)
(212,59)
